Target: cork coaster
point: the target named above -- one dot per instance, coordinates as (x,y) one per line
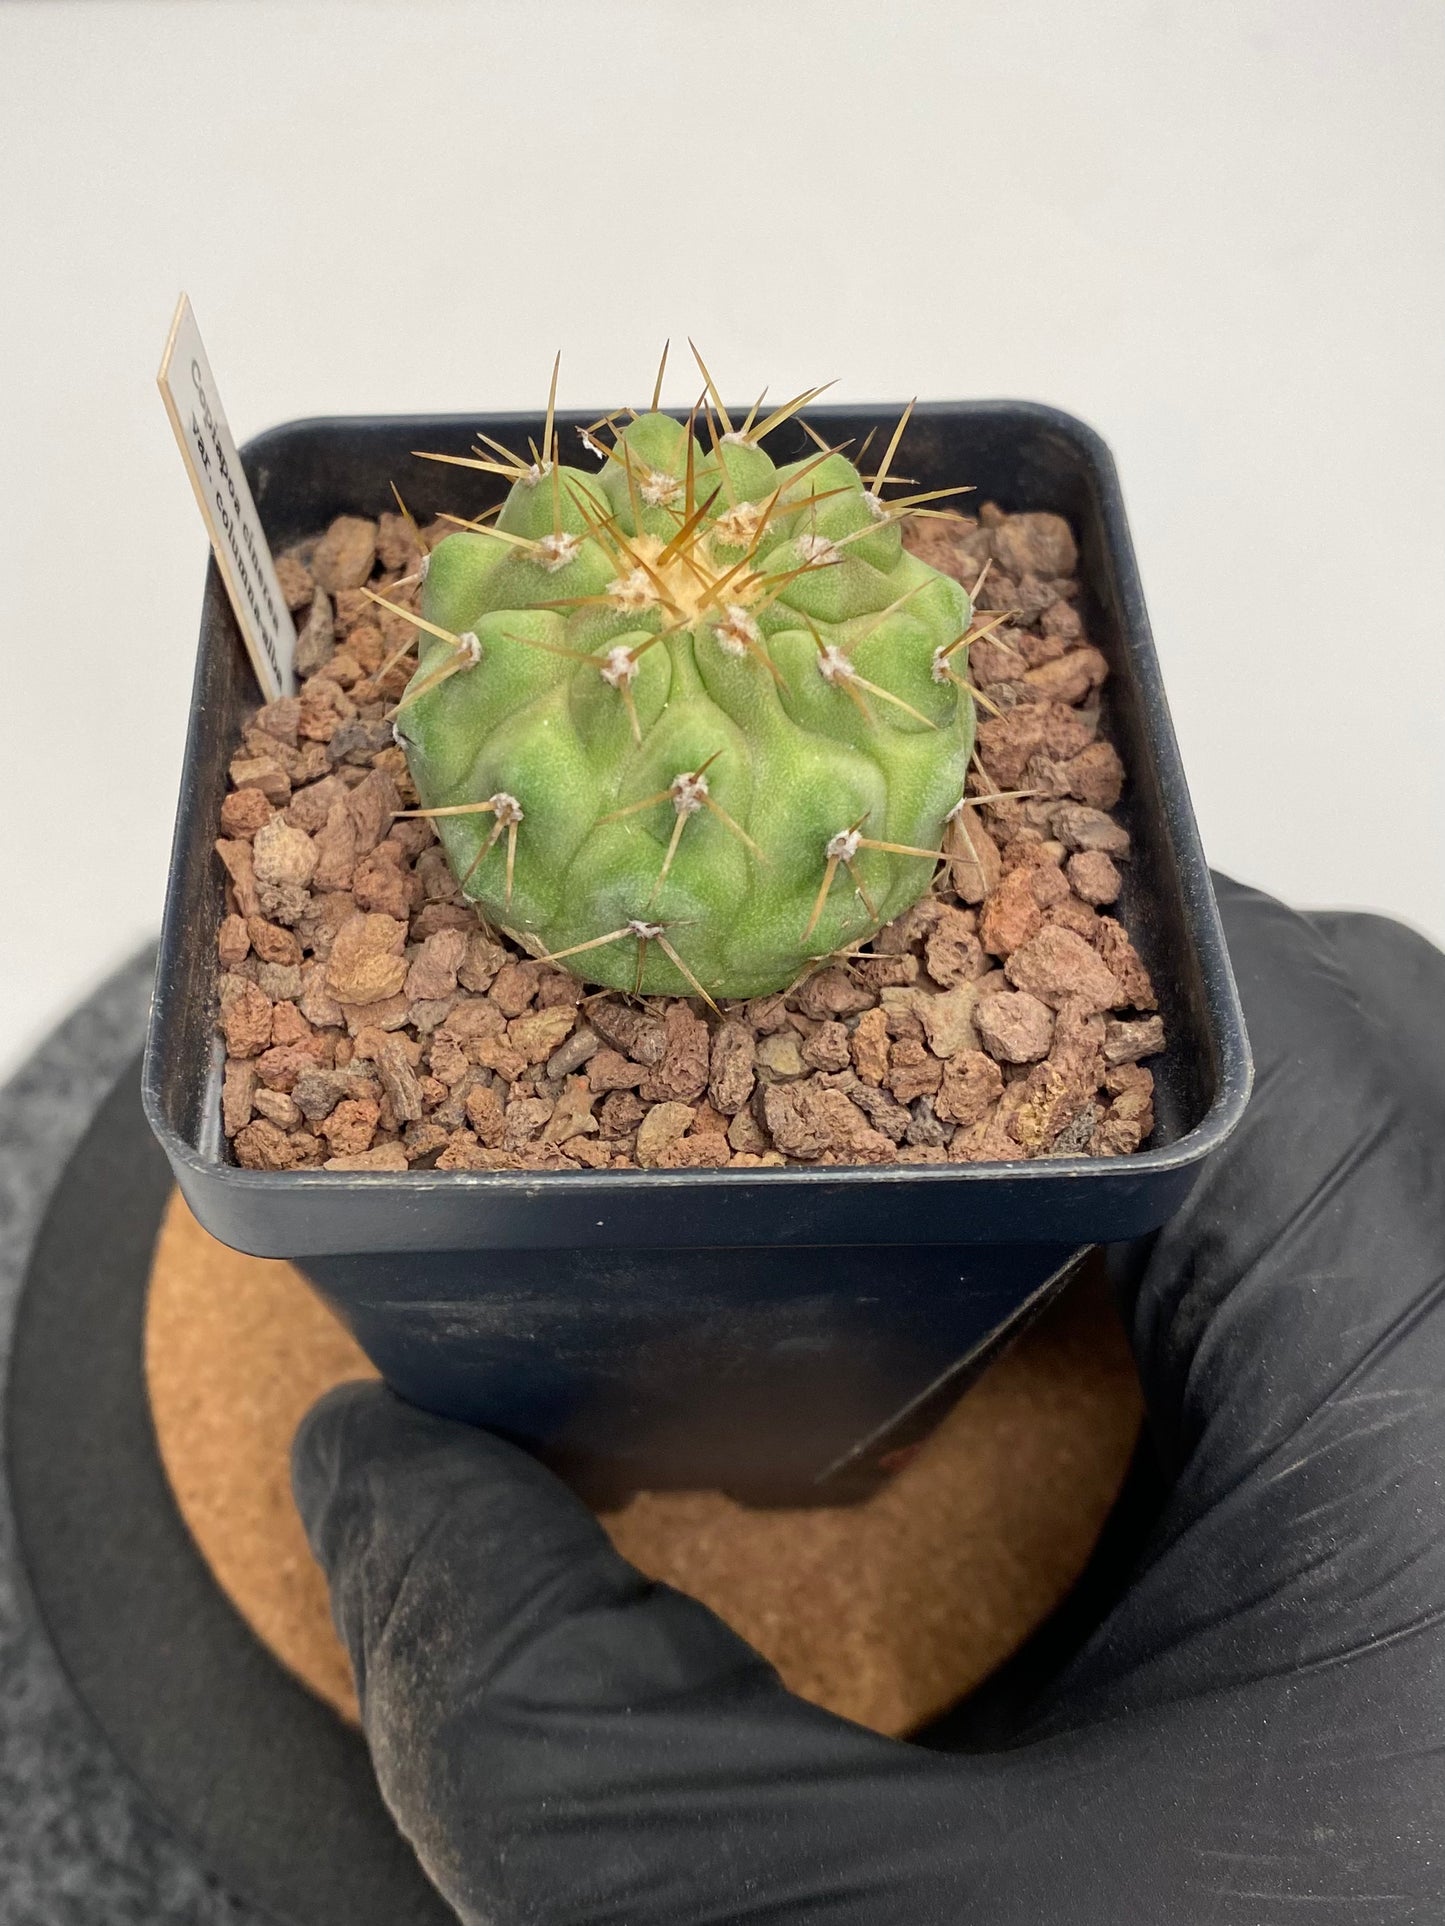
(887,1611)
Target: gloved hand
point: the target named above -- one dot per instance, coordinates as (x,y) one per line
(1256,1731)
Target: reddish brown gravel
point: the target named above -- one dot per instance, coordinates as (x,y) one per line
(372,1023)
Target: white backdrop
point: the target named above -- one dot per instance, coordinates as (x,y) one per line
(1213,230)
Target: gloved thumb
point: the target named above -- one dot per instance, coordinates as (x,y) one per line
(548,1726)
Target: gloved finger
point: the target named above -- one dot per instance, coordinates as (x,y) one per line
(1289,1326)
(561,1739)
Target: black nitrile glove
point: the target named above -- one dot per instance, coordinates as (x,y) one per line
(1254,1734)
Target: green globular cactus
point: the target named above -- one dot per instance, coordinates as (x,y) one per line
(689,722)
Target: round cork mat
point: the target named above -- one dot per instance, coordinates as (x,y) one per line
(886,1611)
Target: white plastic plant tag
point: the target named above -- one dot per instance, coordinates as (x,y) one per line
(189,390)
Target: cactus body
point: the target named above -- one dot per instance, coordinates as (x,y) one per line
(667,703)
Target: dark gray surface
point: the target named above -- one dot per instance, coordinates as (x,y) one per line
(267,1787)
(79,1845)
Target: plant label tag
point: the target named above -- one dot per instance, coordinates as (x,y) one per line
(193,403)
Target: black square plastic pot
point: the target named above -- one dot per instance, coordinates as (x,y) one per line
(780,1332)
